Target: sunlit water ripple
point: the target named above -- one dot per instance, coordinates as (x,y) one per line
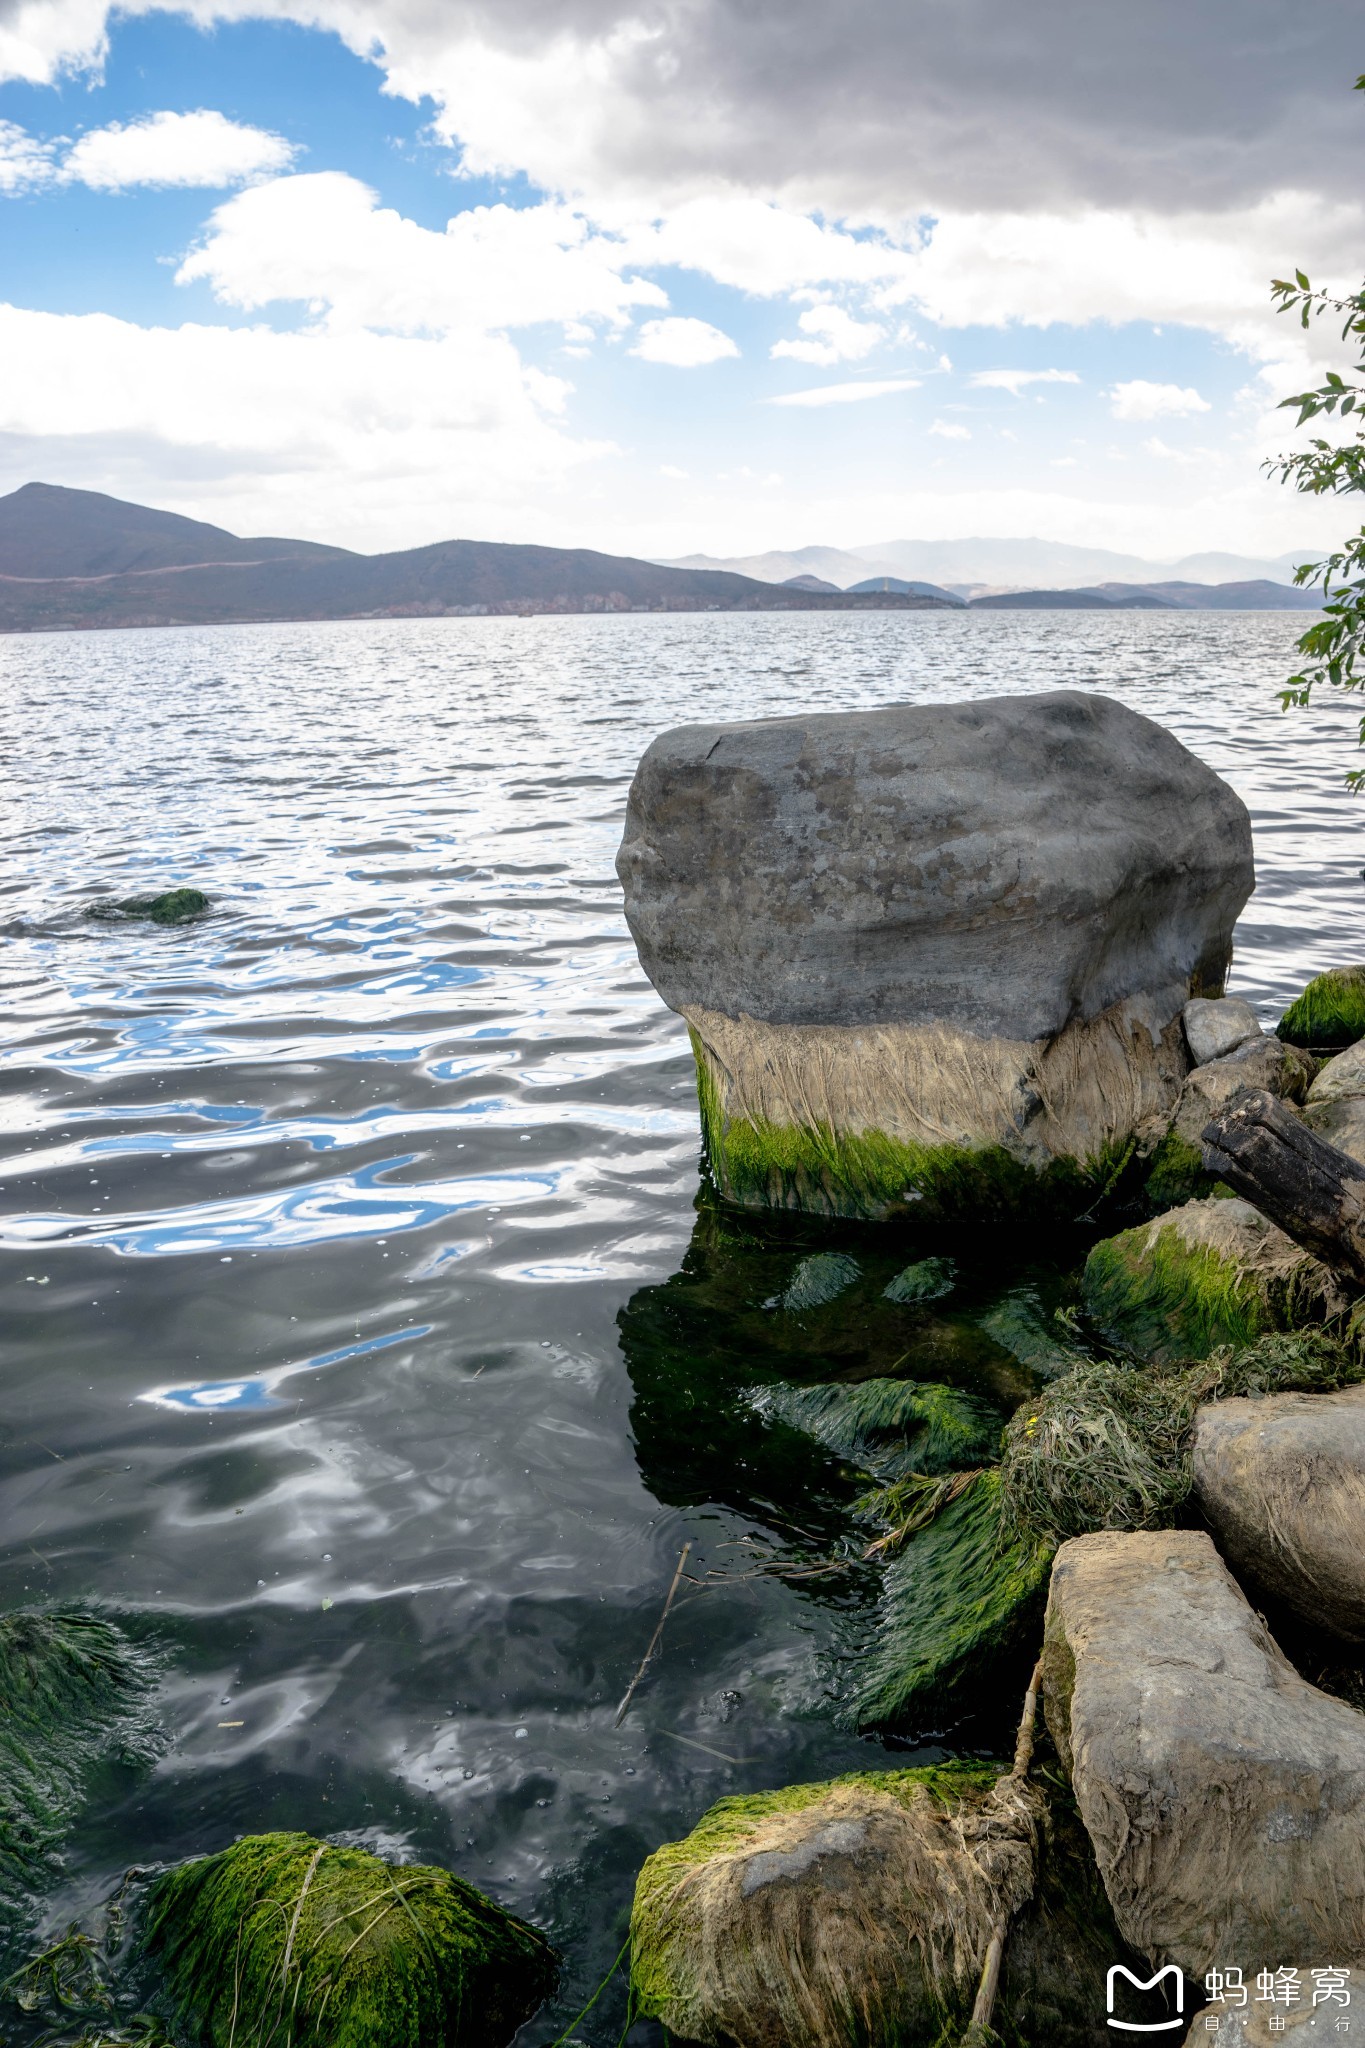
(319,1213)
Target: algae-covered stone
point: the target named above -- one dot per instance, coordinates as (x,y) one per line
(926,1280)
(336,1949)
(961,1595)
(932,955)
(1211,1273)
(852,1911)
(173,906)
(1330,1011)
(73,1691)
(821,1277)
(1224,1796)
(1281,1482)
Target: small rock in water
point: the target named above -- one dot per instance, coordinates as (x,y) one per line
(818,1279)
(1330,1012)
(926,1280)
(173,906)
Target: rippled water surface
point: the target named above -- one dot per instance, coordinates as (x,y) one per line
(363,1340)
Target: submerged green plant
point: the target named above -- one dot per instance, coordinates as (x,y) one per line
(284,1942)
(821,1277)
(926,1280)
(891,1427)
(1329,1013)
(173,906)
(73,1690)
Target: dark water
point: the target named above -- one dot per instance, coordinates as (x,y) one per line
(395,1449)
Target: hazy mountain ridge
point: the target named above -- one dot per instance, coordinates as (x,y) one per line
(71,559)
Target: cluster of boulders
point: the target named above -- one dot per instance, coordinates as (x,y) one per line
(948,957)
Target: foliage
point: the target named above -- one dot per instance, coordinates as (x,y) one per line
(73,1690)
(819,1278)
(1334,644)
(891,1427)
(281,1941)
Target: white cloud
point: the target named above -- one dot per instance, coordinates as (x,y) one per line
(430,436)
(833,336)
(684,343)
(1015,380)
(846,394)
(950,430)
(24,161)
(1139,400)
(202,148)
(322,238)
(1156,446)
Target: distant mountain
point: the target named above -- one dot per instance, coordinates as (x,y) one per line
(46,530)
(832,565)
(1257,595)
(1053,565)
(808,583)
(1067,601)
(80,559)
(885,583)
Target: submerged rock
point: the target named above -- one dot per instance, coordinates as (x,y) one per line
(1335,1108)
(73,1692)
(821,1277)
(173,906)
(355,1952)
(926,1280)
(1223,1795)
(1217,1025)
(930,954)
(1177,1168)
(1211,1273)
(1282,1484)
(855,1910)
(1330,1011)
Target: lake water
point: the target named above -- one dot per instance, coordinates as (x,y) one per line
(363,1341)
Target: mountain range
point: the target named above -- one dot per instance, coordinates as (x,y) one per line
(988,567)
(79,559)
(71,558)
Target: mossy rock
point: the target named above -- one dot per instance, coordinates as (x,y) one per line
(926,1280)
(283,1939)
(890,1427)
(961,1595)
(1177,1175)
(74,1692)
(1330,1012)
(1211,1273)
(855,1911)
(173,906)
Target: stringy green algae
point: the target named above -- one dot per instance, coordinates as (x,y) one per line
(284,1942)
(1166,1299)
(890,1426)
(1330,1012)
(866,1174)
(173,906)
(727,1826)
(73,1691)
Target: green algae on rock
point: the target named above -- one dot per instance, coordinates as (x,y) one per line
(74,1692)
(339,1950)
(855,1911)
(959,1596)
(173,906)
(820,1277)
(1211,1273)
(1330,1012)
(890,1427)
(926,1280)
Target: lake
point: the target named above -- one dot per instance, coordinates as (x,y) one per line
(395,1451)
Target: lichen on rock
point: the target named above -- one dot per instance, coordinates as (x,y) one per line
(1330,1012)
(1214,1272)
(339,1950)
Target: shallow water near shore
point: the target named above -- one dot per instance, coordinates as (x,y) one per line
(364,1341)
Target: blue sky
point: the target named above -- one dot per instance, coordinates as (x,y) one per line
(383,271)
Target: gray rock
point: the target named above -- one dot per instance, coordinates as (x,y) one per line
(1336,1102)
(1216,1026)
(1281,1481)
(1262,1063)
(1223,1795)
(1003,866)
(905,935)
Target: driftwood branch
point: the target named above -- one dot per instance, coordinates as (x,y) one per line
(1314,1192)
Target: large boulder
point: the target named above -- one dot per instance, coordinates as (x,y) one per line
(1223,1795)
(1210,1273)
(1282,1484)
(929,953)
(1330,1012)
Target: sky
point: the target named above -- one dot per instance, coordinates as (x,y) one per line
(664,276)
